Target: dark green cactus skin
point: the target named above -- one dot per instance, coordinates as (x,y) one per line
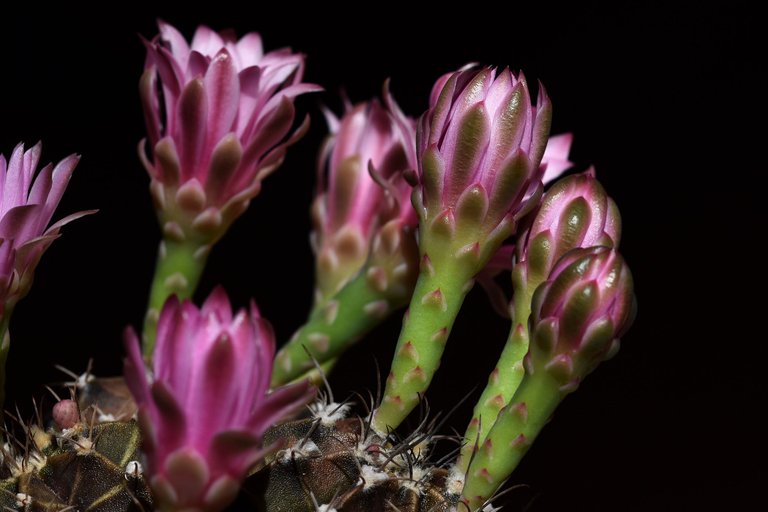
(81,477)
(327,468)
(82,469)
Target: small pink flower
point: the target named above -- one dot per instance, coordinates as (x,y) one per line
(27,204)
(218,121)
(370,149)
(204,413)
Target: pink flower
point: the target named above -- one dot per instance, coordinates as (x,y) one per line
(27,204)
(480,147)
(370,149)
(204,414)
(218,122)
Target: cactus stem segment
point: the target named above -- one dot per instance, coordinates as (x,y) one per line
(516,426)
(439,293)
(331,328)
(509,372)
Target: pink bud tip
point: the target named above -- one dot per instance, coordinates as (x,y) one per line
(66,414)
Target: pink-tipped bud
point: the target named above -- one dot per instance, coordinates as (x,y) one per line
(369,150)
(480,147)
(574,213)
(66,413)
(580,313)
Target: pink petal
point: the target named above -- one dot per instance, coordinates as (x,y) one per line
(222,87)
(42,186)
(59,181)
(20,222)
(197,65)
(556,156)
(217,304)
(176,42)
(234,453)
(171,424)
(192,126)
(150,104)
(31,159)
(134,370)
(206,41)
(250,49)
(281,403)
(215,388)
(13,195)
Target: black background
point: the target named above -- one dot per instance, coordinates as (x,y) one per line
(666,102)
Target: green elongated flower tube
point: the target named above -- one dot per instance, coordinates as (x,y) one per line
(180,263)
(479,149)
(578,315)
(574,213)
(384,285)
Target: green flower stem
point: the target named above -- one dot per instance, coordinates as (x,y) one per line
(332,328)
(178,271)
(508,373)
(512,434)
(440,290)
(5,346)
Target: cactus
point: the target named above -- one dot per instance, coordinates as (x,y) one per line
(575,213)
(479,147)
(333,462)
(79,463)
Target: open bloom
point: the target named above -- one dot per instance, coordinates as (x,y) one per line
(480,147)
(27,204)
(218,122)
(367,154)
(579,314)
(205,411)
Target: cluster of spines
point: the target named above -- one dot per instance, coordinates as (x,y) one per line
(332,462)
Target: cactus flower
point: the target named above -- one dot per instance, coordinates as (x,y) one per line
(219,115)
(27,204)
(480,147)
(371,137)
(579,314)
(365,234)
(218,121)
(574,213)
(206,404)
